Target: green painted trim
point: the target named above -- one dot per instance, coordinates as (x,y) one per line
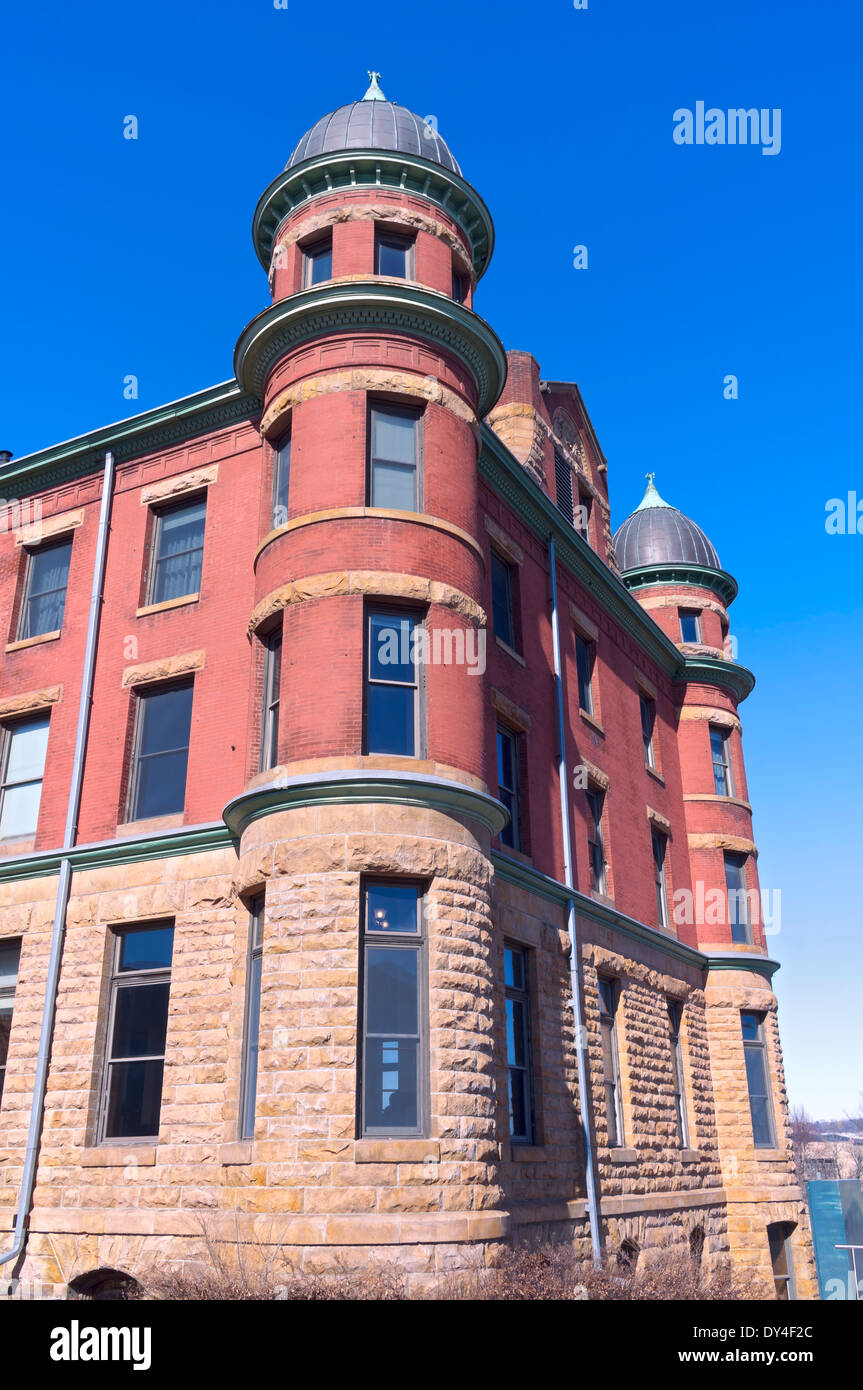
(713,670)
(720,582)
(194,839)
(338,172)
(354,786)
(514,484)
(369,306)
(217,407)
(758,965)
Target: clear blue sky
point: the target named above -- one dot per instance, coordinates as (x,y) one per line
(135,257)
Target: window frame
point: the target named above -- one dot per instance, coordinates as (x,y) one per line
(660,876)
(695,614)
(609,994)
(678,1076)
(718,731)
(527,1073)
(131,980)
(410,412)
(268,754)
(595,798)
(584,677)
(141,694)
(8,730)
(508,571)
(398,941)
(647,707)
(516,822)
(417,616)
(254,974)
(404,241)
(310,252)
(758,1046)
(279,447)
(7,998)
(23,632)
(741,931)
(158,514)
(460,285)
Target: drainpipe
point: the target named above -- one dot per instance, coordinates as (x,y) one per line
(575,978)
(65,880)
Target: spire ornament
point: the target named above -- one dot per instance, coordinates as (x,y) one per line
(374,92)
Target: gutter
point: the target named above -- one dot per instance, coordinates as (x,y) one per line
(571,924)
(37,1106)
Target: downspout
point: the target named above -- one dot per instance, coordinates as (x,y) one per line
(575,979)
(31,1155)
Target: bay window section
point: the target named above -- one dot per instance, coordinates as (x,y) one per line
(272,644)
(738,897)
(393,1009)
(719,753)
(758,1080)
(318,262)
(392,684)
(394,435)
(281,481)
(137,1031)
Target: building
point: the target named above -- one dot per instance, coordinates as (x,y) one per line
(308,878)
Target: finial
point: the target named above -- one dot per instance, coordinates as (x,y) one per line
(651,497)
(374,92)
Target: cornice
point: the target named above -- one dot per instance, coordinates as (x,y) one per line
(714,670)
(507,476)
(758,965)
(368,306)
(331,173)
(164,844)
(720,582)
(341,788)
(215,408)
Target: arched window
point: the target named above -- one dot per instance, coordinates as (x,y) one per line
(110,1285)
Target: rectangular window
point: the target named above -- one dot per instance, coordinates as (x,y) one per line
(519,1060)
(138,1025)
(281,480)
(459,287)
(675,1015)
(163,724)
(563,485)
(392,685)
(393,255)
(272,644)
(501,600)
(738,901)
(393,1009)
(595,798)
(779,1240)
(582,516)
(10,952)
(394,458)
(22,767)
(251,1028)
(608,997)
(318,262)
(660,848)
(585,657)
(690,625)
(508,784)
(757,1079)
(178,548)
(648,720)
(719,752)
(45,589)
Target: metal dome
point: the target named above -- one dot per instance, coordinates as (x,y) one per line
(374,124)
(657,534)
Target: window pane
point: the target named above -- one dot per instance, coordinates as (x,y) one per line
(506,760)
(281,482)
(151,949)
(180,552)
(584,664)
(394,436)
(514,973)
(516,1033)
(391,720)
(391,1084)
(394,485)
(751,1027)
(392,907)
(321,264)
(391,990)
(161,785)
(166,720)
(134,1099)
(27,746)
(689,627)
(501,599)
(140,1020)
(518,1107)
(9,957)
(252,1036)
(5,1030)
(391,648)
(46,593)
(20,811)
(392,258)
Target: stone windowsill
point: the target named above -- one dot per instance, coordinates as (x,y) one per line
(623,1155)
(594,723)
(136,828)
(505,647)
(14,845)
(396,1151)
(33,641)
(164,607)
(691,1155)
(653,773)
(113,1156)
(237,1152)
(516,855)
(527,1153)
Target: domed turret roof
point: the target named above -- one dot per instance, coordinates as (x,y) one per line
(374,124)
(657,534)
